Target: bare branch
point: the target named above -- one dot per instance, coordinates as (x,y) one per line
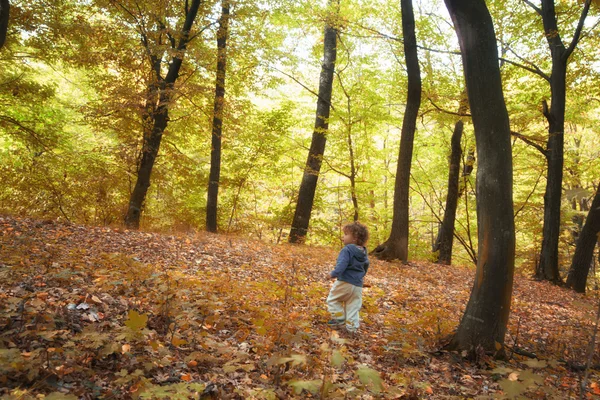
(202,30)
(335,169)
(577,34)
(536,8)
(459,114)
(530,194)
(530,142)
(301,84)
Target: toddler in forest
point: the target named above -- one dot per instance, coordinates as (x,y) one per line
(345,298)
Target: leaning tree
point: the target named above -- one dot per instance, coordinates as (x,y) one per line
(485,319)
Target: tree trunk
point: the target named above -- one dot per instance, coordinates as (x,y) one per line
(484,322)
(306,194)
(446,236)
(157,115)
(4,13)
(151,145)
(217,128)
(547,269)
(584,252)
(396,246)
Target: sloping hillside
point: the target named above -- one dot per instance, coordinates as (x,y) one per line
(90,312)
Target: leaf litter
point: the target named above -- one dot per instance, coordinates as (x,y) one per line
(98,312)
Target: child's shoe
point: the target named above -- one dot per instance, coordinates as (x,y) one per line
(336,322)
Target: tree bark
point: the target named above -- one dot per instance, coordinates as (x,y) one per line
(157,115)
(396,246)
(547,269)
(217,127)
(4,14)
(446,236)
(484,322)
(306,194)
(584,251)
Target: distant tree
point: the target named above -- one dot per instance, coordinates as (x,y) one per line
(217,127)
(306,194)
(446,235)
(484,322)
(584,252)
(158,101)
(396,246)
(547,269)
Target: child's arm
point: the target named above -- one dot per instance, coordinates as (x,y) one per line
(341,264)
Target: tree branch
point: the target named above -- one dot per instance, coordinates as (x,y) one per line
(202,30)
(530,142)
(164,28)
(301,84)
(536,8)
(33,134)
(577,34)
(458,114)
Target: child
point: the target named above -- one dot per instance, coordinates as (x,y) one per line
(345,298)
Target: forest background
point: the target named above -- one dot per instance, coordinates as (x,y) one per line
(74,81)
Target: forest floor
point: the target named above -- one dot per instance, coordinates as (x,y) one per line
(96,312)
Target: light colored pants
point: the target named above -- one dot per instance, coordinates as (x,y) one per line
(344,302)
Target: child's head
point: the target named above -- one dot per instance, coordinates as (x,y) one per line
(355,233)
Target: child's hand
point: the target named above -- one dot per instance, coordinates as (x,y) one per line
(329,277)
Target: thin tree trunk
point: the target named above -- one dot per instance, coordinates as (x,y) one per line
(396,246)
(217,128)
(584,252)
(4,14)
(157,115)
(446,236)
(484,322)
(547,269)
(306,194)
(151,145)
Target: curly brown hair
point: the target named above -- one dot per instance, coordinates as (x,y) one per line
(358,231)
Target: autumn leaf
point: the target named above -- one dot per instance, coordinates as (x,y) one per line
(135,320)
(370,376)
(310,386)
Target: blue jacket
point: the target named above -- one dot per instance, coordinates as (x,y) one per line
(351,265)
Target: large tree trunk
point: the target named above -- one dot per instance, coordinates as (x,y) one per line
(446,236)
(396,246)
(217,127)
(306,194)
(584,252)
(547,269)
(486,316)
(157,115)
(4,13)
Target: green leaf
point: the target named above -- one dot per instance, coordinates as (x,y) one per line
(502,370)
(310,386)
(296,359)
(136,321)
(368,375)
(337,359)
(536,363)
(512,389)
(529,378)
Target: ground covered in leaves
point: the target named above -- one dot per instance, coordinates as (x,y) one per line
(90,312)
